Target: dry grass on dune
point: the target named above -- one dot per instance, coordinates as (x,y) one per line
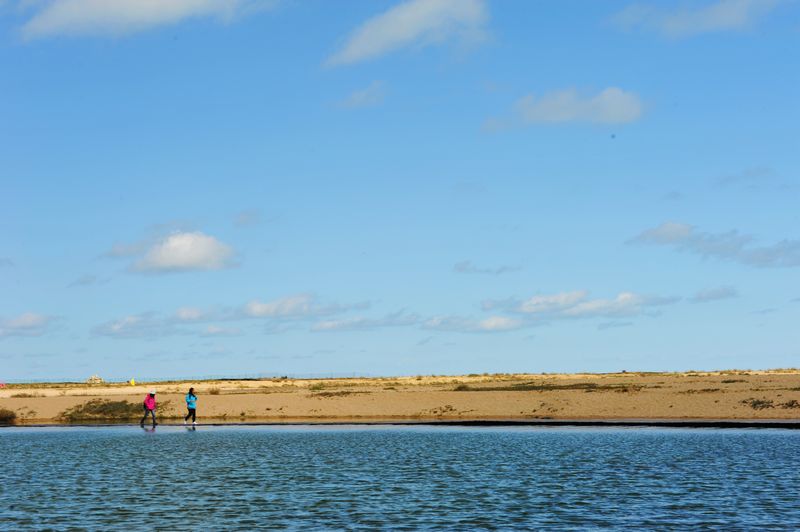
(732,394)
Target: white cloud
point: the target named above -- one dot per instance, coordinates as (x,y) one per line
(27,324)
(124,17)
(721,15)
(413,23)
(609,106)
(715,294)
(464,324)
(370,96)
(396,319)
(730,245)
(185,251)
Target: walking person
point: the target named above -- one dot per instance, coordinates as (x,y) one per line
(191,406)
(149,407)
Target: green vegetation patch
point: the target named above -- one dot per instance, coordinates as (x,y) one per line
(335,394)
(105,410)
(758,404)
(761,404)
(546,387)
(7,417)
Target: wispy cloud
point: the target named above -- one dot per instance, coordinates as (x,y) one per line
(27,324)
(755,178)
(610,106)
(730,245)
(123,250)
(765,311)
(540,310)
(748,177)
(414,23)
(190,314)
(88,280)
(673,195)
(578,304)
(145,325)
(715,294)
(396,319)
(216,330)
(613,325)
(466,266)
(490,324)
(370,96)
(124,17)
(188,321)
(300,306)
(542,304)
(6,262)
(624,304)
(151,325)
(696,18)
(276,315)
(247,218)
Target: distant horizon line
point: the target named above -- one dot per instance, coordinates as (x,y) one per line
(355,375)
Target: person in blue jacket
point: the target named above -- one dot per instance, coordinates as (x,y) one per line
(191,405)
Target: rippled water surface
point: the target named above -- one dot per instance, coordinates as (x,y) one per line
(398,477)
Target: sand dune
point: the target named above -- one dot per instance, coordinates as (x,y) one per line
(773,394)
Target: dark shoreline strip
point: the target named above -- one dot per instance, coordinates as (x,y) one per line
(717,424)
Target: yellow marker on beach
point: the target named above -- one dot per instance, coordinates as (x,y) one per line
(132,382)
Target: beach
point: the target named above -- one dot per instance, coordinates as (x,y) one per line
(712,395)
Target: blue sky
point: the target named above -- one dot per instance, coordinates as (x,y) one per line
(239,187)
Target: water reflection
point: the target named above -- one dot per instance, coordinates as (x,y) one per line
(401,477)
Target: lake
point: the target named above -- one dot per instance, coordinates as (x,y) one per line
(398,477)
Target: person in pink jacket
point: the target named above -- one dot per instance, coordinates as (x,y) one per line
(149,407)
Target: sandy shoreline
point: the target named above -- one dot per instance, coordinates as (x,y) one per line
(710,396)
(505,423)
